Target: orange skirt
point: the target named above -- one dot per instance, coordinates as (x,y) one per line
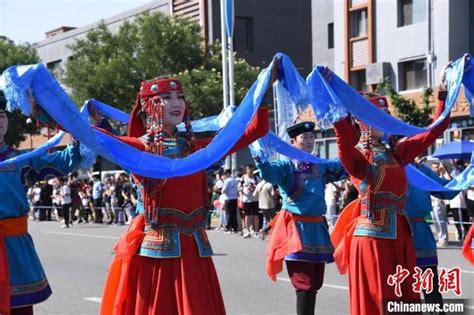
(372,260)
(187,285)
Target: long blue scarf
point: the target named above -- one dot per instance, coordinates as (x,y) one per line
(332,99)
(19,80)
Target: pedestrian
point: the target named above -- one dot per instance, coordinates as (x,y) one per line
(230,193)
(247,185)
(439,208)
(266,202)
(97,198)
(66,201)
(299,233)
(331,196)
(458,204)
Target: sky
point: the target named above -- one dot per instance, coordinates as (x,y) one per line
(27,20)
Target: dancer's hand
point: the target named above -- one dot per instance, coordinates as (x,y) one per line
(443,83)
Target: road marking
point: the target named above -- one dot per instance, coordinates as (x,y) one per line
(93,299)
(83,235)
(332,286)
(465,271)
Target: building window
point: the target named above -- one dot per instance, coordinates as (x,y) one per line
(412,74)
(243,35)
(330,35)
(357,80)
(411,12)
(358,23)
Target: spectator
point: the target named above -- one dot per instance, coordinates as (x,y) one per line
(47,200)
(331,196)
(230,191)
(85,195)
(266,202)
(65,193)
(458,204)
(217,201)
(248,182)
(37,202)
(97,195)
(439,209)
(108,193)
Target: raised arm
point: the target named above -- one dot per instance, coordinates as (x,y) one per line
(351,158)
(276,172)
(56,164)
(409,148)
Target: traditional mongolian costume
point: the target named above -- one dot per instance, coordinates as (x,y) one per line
(468,246)
(299,232)
(163,263)
(373,235)
(22,279)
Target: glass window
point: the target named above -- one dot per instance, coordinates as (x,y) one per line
(412,75)
(358,23)
(330,35)
(243,34)
(357,80)
(332,149)
(411,12)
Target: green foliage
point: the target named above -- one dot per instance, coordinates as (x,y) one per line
(406,109)
(110,67)
(11,54)
(203,85)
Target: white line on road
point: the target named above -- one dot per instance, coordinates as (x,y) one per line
(333,286)
(465,271)
(93,299)
(82,235)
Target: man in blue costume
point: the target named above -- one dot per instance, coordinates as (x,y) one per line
(22,278)
(418,208)
(299,233)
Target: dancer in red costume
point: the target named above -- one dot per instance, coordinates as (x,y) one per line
(373,235)
(468,245)
(163,263)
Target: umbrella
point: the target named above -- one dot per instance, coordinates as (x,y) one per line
(455,150)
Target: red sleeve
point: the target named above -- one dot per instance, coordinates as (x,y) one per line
(257,128)
(409,148)
(351,158)
(134,142)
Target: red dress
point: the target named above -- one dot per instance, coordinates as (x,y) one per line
(184,281)
(370,250)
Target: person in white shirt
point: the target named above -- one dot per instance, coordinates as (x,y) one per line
(248,183)
(331,196)
(266,202)
(458,204)
(230,193)
(65,193)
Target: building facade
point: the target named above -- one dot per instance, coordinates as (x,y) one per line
(407,41)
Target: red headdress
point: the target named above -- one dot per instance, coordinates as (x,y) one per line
(147,113)
(365,141)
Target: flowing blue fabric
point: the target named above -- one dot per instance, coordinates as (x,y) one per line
(332,98)
(19,80)
(106,110)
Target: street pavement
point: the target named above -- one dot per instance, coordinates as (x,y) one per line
(76,261)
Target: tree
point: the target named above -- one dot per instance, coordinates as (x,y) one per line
(11,54)
(203,85)
(110,67)
(406,109)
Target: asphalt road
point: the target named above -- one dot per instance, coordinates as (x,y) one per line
(76,262)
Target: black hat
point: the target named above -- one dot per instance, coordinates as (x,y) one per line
(3,101)
(300,127)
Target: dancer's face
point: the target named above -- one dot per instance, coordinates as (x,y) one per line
(304,141)
(3,123)
(173,107)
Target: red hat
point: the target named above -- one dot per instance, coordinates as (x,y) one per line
(148,104)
